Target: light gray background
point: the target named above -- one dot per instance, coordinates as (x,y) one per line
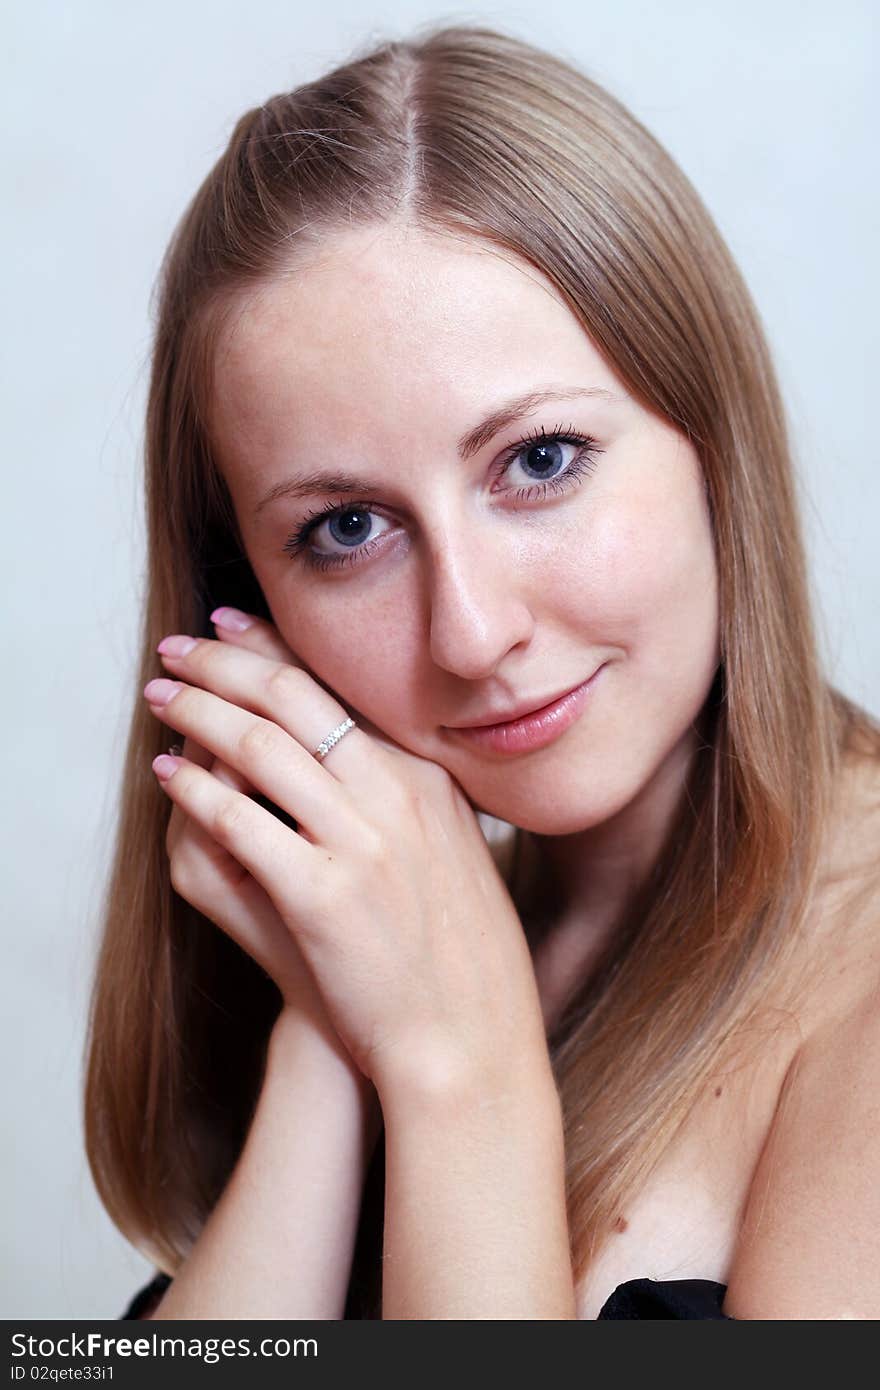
(114,114)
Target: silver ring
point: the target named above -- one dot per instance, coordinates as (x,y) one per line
(333,738)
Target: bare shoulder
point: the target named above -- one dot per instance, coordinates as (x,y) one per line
(811,1224)
(808,1244)
(845,928)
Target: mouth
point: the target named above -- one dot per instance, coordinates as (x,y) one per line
(534,729)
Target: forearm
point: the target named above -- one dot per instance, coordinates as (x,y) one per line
(279,1242)
(475,1215)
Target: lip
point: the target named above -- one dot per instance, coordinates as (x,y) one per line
(534,730)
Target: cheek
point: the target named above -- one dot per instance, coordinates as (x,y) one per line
(658,592)
(363,649)
(650,553)
(609,571)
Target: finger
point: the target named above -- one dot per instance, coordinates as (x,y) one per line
(259,636)
(265,754)
(202,757)
(251,835)
(262,749)
(288,695)
(217,885)
(264,638)
(230,778)
(177,822)
(179,825)
(193,752)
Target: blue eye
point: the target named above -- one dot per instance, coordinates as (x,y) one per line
(544,452)
(352,525)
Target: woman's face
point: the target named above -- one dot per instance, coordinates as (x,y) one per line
(446,588)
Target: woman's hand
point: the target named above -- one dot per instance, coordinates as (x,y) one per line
(217,885)
(387,886)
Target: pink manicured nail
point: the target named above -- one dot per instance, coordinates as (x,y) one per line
(232,619)
(159,692)
(165,767)
(176,646)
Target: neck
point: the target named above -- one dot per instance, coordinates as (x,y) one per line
(571,891)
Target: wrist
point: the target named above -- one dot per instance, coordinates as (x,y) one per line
(300,1043)
(441,1086)
(299,1036)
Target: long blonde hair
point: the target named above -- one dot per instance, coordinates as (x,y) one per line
(468,130)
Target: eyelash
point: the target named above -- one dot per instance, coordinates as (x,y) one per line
(580,467)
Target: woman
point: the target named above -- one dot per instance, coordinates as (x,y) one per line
(459,410)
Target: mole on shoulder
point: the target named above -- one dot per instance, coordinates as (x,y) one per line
(718,1090)
(621,1223)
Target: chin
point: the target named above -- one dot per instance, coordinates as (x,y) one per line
(540,820)
(547,805)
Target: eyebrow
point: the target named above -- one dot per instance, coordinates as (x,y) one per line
(310,484)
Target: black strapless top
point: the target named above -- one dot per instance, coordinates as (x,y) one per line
(637,1298)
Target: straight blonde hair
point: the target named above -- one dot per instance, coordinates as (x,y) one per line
(469,131)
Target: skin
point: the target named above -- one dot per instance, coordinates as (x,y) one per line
(377,357)
(374,356)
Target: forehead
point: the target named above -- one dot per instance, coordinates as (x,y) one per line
(394,319)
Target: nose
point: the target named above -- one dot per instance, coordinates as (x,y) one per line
(477,611)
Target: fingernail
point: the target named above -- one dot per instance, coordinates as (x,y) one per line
(176,646)
(159,692)
(164,767)
(232,619)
